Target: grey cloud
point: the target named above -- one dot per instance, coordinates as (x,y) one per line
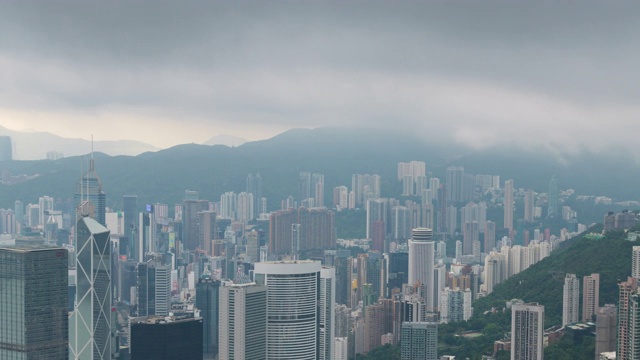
(468,70)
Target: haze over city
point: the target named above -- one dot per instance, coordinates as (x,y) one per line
(319,180)
(475,74)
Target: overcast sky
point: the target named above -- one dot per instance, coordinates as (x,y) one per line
(475,73)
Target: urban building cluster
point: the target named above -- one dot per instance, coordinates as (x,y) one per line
(234,279)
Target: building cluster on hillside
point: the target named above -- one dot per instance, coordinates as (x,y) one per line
(233,279)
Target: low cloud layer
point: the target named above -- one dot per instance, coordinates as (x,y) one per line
(466,73)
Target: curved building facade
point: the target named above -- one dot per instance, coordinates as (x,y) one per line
(292,308)
(421,263)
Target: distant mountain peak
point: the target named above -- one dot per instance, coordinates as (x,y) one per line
(227,140)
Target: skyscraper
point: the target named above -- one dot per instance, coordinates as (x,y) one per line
(570,300)
(207,230)
(455,305)
(419,341)
(606,323)
(154,288)
(243,322)
(626,314)
(304,187)
(327,306)
(528,205)
(33,309)
(590,296)
(552,209)
(129,206)
(508,204)
(421,262)
(254,187)
(527,331)
(190,226)
(454,184)
(376,211)
(292,308)
(207,294)
(89,188)
(635,263)
(90,331)
(166,338)
(489,237)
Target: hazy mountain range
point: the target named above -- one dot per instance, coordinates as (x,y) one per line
(34,145)
(163,175)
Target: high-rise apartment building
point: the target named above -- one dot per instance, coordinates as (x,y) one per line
(419,341)
(376,213)
(421,263)
(454,184)
(590,296)
(635,263)
(508,204)
(489,237)
(317,229)
(627,306)
(570,300)
(606,324)
(455,305)
(529,204)
(207,294)
(527,332)
(292,308)
(33,303)
(552,202)
(90,330)
(243,322)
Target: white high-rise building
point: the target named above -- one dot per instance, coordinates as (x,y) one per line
(292,308)
(421,262)
(90,331)
(455,305)
(243,321)
(419,341)
(527,331)
(327,312)
(635,263)
(341,349)
(590,296)
(570,300)
(529,203)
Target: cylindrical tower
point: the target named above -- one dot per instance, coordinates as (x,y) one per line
(292,308)
(421,263)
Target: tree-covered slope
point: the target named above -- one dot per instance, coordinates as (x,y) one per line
(609,256)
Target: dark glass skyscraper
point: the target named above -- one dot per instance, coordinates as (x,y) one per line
(33,307)
(254,186)
(130,226)
(166,338)
(207,294)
